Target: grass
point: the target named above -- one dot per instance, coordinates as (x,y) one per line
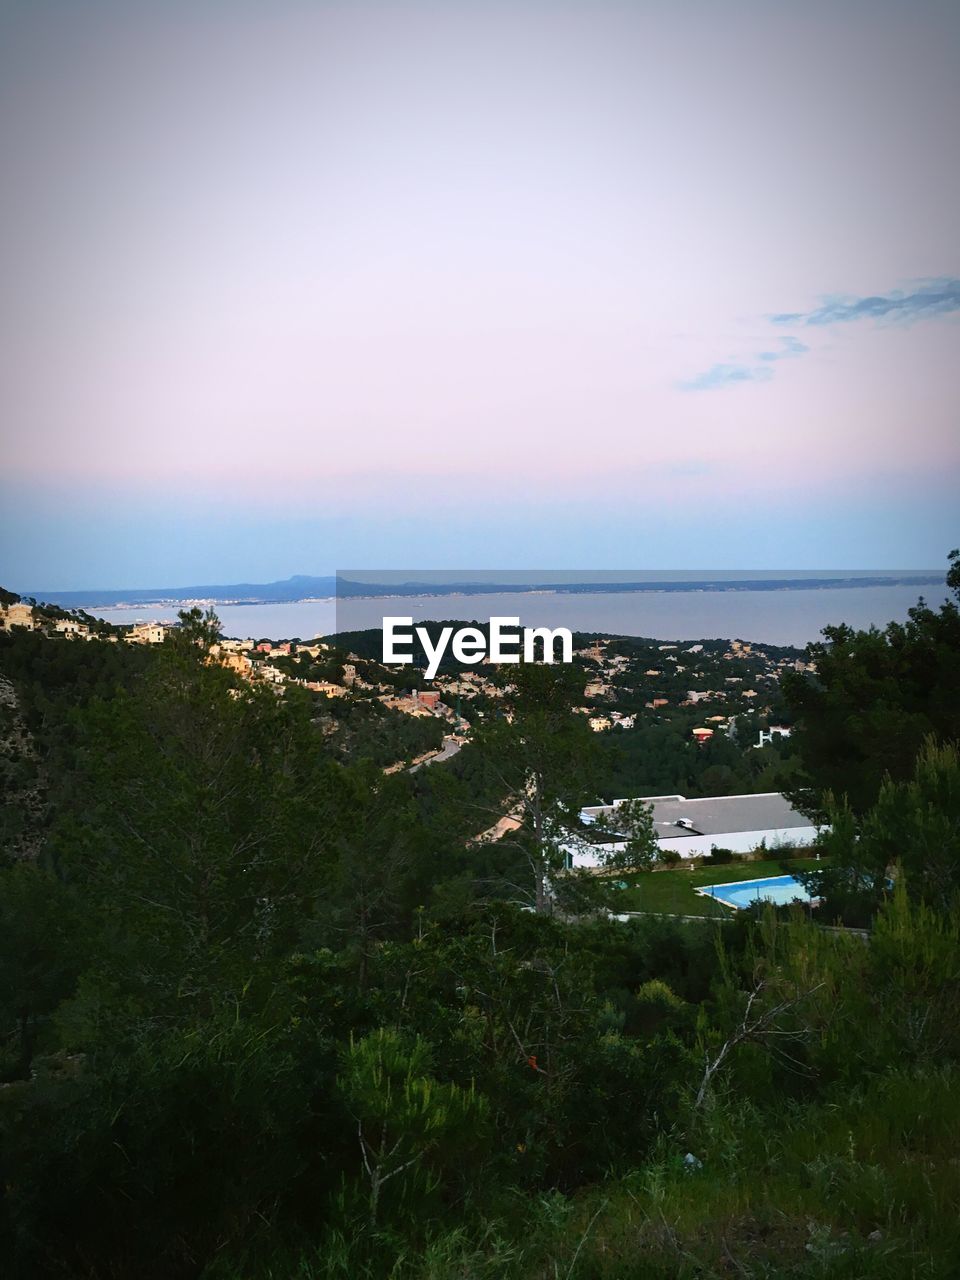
(863,1185)
(671,892)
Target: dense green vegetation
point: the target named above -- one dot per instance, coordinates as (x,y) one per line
(877,697)
(667,759)
(267,1012)
(368,730)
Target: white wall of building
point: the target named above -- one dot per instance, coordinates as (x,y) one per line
(587,855)
(740,841)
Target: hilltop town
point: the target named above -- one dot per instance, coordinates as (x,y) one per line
(713,707)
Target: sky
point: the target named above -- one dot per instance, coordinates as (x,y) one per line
(295,285)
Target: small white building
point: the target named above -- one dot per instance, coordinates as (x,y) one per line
(71,627)
(694,828)
(273,675)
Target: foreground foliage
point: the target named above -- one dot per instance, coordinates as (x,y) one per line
(262,1016)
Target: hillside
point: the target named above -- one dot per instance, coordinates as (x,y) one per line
(270,1009)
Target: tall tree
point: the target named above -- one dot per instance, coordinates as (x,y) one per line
(874,699)
(913,829)
(543,754)
(199,831)
(198,627)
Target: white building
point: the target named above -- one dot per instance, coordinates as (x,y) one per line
(775,730)
(693,828)
(71,627)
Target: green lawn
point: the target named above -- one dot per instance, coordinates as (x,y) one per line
(672,892)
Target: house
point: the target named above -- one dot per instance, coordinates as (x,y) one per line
(146,633)
(422,703)
(313,650)
(326,687)
(693,828)
(767,735)
(236,662)
(17,615)
(71,627)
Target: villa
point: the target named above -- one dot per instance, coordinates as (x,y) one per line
(146,633)
(17,615)
(694,828)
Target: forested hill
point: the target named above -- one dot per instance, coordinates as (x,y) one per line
(267,1011)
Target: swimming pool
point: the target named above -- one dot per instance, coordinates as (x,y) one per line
(780,890)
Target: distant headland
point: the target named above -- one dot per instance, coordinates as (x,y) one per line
(301,587)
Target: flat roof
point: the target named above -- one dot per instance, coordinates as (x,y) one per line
(714,815)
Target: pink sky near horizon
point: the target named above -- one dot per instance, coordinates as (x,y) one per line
(408,259)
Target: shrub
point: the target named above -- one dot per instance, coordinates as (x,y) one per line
(718,857)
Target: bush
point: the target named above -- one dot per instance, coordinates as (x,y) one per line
(719,857)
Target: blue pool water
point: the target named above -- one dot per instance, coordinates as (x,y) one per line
(777,889)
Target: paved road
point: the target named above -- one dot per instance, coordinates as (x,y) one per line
(449,749)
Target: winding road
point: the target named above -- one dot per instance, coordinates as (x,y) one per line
(451,746)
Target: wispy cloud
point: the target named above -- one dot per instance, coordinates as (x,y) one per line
(925,299)
(789,348)
(725,375)
(757,369)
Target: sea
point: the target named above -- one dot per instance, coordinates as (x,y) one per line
(794,616)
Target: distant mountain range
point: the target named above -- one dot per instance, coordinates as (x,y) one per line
(305,587)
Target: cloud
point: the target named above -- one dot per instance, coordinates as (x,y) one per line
(925,298)
(790,348)
(757,370)
(922,300)
(725,375)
